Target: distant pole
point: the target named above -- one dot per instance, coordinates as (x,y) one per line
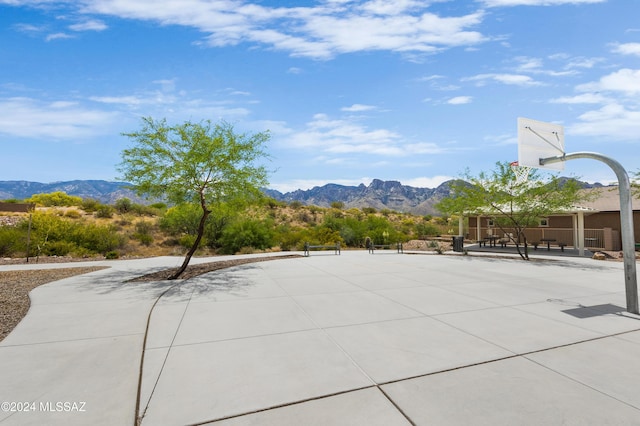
(626,220)
(29,236)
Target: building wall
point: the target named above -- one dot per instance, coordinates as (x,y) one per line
(599,220)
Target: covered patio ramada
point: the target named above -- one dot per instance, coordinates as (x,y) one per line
(593,225)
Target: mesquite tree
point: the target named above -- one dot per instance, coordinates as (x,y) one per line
(202,163)
(513,205)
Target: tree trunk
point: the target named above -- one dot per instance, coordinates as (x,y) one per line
(524,255)
(194,247)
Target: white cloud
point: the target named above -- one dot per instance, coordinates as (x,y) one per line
(30,118)
(28,28)
(525,64)
(460,100)
(505,3)
(130,101)
(627,49)
(321,31)
(509,79)
(358,108)
(625,81)
(58,36)
(342,136)
(90,25)
(587,98)
(612,121)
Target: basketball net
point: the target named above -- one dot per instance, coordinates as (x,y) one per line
(521,172)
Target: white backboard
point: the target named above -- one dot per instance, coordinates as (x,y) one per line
(536,140)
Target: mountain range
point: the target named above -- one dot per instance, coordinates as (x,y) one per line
(378,194)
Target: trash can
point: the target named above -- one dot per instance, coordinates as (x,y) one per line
(458,243)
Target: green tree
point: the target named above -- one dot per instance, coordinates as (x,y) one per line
(635,184)
(202,163)
(514,205)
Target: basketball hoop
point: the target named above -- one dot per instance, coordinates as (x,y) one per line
(521,172)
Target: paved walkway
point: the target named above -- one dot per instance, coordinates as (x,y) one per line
(354,339)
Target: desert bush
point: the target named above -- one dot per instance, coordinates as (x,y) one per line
(104,212)
(123,205)
(426,230)
(111,255)
(90,205)
(58,198)
(59,248)
(272,203)
(158,206)
(143,233)
(98,239)
(73,214)
(181,219)
(187,241)
(12,241)
(258,234)
(142,210)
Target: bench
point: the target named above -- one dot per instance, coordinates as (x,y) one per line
(536,244)
(398,247)
(308,247)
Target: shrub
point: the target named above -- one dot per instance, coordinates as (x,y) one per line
(58,198)
(187,241)
(98,239)
(111,255)
(181,219)
(90,205)
(59,248)
(158,206)
(247,233)
(12,241)
(73,214)
(123,205)
(426,230)
(104,212)
(143,233)
(142,210)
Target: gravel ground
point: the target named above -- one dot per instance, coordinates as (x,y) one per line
(16,285)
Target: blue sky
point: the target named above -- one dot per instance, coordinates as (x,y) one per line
(414,91)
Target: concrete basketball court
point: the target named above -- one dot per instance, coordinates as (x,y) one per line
(354,339)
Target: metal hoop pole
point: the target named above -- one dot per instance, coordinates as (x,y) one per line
(626,220)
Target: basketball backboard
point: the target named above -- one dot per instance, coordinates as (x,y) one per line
(536,140)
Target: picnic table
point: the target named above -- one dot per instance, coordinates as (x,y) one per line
(491,239)
(548,241)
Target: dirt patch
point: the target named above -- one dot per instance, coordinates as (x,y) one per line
(203,268)
(427,245)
